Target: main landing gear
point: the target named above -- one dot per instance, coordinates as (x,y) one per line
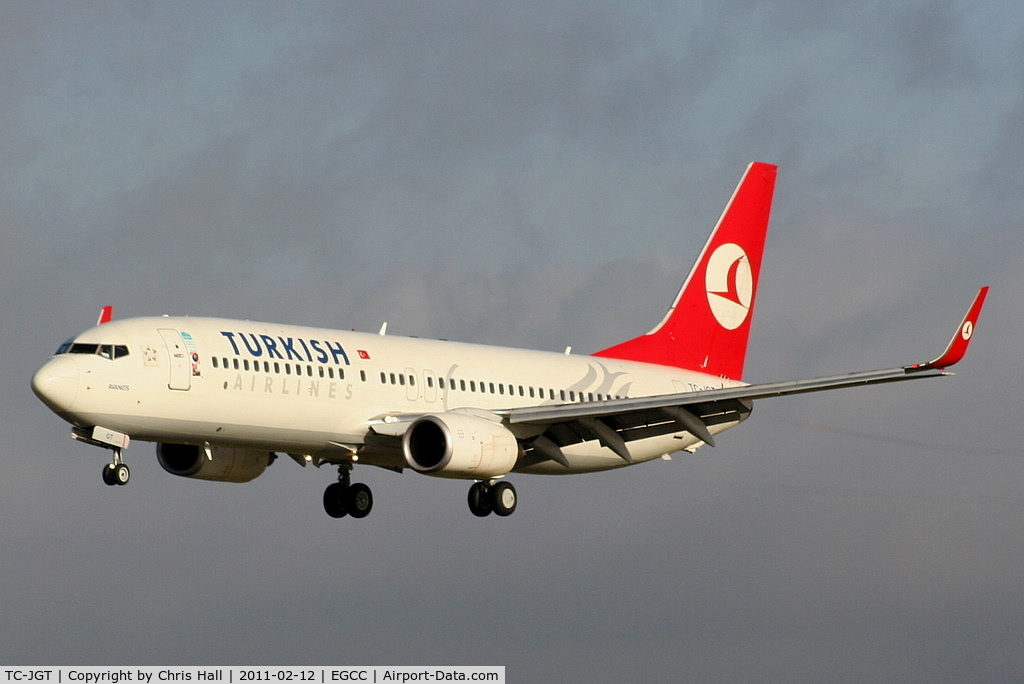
(355,499)
(498,497)
(347,498)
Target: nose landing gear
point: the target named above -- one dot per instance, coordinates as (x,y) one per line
(116,473)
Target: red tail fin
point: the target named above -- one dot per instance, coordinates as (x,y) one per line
(708,325)
(106,315)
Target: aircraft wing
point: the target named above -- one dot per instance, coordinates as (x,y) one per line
(617,422)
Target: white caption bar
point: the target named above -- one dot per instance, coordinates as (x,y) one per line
(247,675)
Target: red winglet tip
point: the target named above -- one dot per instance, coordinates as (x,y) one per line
(106,315)
(961,338)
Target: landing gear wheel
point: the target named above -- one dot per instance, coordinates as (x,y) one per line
(335,500)
(359,499)
(480,500)
(504,498)
(122,474)
(116,474)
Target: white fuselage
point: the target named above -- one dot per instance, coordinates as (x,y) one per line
(312,391)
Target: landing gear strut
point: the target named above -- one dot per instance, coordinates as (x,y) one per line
(116,472)
(498,497)
(347,498)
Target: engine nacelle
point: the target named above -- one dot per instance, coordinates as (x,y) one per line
(459,445)
(222,464)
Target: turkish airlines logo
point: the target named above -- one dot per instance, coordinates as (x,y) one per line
(730,285)
(967,330)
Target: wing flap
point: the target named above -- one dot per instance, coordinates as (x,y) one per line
(617,422)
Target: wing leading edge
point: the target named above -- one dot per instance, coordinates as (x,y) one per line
(617,422)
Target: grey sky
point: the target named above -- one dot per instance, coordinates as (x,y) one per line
(532,174)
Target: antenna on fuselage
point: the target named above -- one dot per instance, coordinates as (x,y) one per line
(383,329)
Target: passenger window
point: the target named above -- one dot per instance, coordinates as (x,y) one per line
(214,359)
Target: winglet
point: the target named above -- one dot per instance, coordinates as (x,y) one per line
(106,315)
(961,338)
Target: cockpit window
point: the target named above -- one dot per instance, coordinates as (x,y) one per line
(107,351)
(112,351)
(79,348)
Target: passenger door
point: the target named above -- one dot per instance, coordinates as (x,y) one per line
(181,368)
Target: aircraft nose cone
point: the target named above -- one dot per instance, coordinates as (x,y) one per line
(56,383)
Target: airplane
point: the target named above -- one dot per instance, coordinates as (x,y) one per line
(222,398)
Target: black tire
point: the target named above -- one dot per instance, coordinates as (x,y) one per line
(334,500)
(504,498)
(108,475)
(359,499)
(480,500)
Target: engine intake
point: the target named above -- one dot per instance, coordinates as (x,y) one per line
(221,464)
(458,445)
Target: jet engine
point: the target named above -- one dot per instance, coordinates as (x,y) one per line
(222,464)
(459,445)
